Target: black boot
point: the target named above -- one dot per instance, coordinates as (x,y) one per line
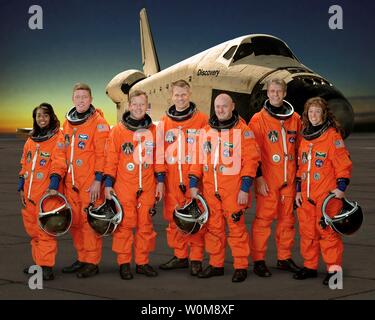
(74,267)
(48,273)
(175,263)
(195,267)
(305,273)
(328,276)
(26,270)
(261,270)
(125,272)
(88,270)
(239,275)
(146,269)
(288,265)
(211,271)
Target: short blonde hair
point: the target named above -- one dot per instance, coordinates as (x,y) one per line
(180,83)
(137,93)
(82,86)
(277,81)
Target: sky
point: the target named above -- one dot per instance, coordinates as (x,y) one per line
(92,41)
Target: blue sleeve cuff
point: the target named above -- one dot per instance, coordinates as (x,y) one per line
(342,183)
(21,183)
(246,183)
(160,177)
(98,176)
(54,182)
(193,182)
(298,185)
(108,182)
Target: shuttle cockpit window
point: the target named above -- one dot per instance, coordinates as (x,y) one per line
(263,46)
(229,54)
(244,50)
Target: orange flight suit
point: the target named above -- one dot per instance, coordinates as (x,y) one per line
(329,161)
(278,171)
(44,155)
(88,157)
(236,157)
(123,165)
(169,130)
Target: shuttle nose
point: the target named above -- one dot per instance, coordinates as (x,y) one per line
(301,88)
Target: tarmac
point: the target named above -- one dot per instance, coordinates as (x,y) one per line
(15,253)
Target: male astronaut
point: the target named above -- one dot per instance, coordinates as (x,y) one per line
(277,132)
(226,162)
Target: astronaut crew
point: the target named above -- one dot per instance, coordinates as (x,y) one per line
(127,162)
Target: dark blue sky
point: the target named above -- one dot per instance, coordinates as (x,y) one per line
(91,41)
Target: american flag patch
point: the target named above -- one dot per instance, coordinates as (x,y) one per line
(248,135)
(102,127)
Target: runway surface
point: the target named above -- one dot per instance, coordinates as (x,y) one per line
(15,253)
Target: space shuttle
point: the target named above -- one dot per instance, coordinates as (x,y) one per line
(239,67)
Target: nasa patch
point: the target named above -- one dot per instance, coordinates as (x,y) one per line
(319,163)
(226,153)
(190,140)
(81,145)
(42,162)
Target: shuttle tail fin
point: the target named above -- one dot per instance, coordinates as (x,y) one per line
(149,57)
